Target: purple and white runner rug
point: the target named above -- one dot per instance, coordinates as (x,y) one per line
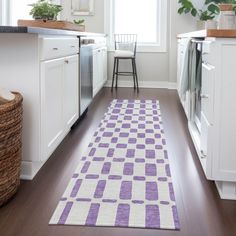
(124,178)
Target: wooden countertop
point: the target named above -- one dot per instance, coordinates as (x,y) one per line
(209,33)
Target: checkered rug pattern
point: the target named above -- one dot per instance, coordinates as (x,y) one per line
(124,177)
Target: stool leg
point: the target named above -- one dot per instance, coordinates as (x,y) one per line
(117,71)
(136,74)
(133,67)
(114,71)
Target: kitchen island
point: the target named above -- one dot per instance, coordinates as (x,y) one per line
(210,111)
(43,65)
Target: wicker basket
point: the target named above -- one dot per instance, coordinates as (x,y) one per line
(10,147)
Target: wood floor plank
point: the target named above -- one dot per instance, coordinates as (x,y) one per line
(201,211)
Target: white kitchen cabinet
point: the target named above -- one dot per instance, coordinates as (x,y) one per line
(99,69)
(44,69)
(59,100)
(216,148)
(71,91)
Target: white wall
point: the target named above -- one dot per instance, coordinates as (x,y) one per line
(153,68)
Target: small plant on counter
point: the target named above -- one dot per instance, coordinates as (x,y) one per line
(45,10)
(208,12)
(79,22)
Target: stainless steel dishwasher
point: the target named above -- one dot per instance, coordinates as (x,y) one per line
(86,73)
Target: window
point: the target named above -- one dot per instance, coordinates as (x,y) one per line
(19,10)
(146,18)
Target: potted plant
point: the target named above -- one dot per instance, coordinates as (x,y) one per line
(206,15)
(45,10)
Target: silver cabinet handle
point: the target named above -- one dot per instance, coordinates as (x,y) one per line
(55,49)
(66,61)
(72,46)
(203,155)
(204,96)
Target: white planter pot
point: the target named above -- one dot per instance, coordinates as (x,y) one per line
(201,25)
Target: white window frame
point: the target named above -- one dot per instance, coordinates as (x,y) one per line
(162,25)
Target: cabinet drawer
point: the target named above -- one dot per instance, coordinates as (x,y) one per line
(208,74)
(51,48)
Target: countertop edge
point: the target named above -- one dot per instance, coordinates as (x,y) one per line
(46,31)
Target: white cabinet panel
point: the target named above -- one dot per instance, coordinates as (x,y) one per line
(71,91)
(51,105)
(99,69)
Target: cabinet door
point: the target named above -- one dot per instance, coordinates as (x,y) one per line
(96,71)
(104,61)
(51,105)
(71,91)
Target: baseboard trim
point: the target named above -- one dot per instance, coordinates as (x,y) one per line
(30,169)
(144,84)
(226,190)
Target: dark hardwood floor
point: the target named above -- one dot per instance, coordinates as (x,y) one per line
(200,209)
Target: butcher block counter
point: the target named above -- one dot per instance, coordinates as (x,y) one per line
(209,33)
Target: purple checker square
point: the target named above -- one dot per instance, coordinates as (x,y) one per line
(132,141)
(98,159)
(83,200)
(152,216)
(122,215)
(126,190)
(141,135)
(128,118)
(91,176)
(150,170)
(76,188)
(151,191)
(121,145)
(150,141)
(124,135)
(155,112)
(118,105)
(107,134)
(130,106)
(140,146)
(109,200)
(117,130)
(157,127)
(113,117)
(111,125)
(149,131)
(118,159)
(151,154)
(157,136)
(162,179)
(125,126)
(115,177)
(140,160)
(167,168)
(114,140)
(128,169)
(65,213)
(139,178)
(90,145)
(100,189)
(110,152)
(171,192)
(106,168)
(116,111)
(143,106)
(102,129)
(163,141)
(141,126)
(103,145)
(92,152)
(85,167)
(130,153)
(142,112)
(160,161)
(155,118)
(141,118)
(93,214)
(75,176)
(98,139)
(129,111)
(158,147)
(84,158)
(137,202)
(134,122)
(133,130)
(63,199)
(165,154)
(175,216)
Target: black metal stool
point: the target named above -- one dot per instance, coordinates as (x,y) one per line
(125,49)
